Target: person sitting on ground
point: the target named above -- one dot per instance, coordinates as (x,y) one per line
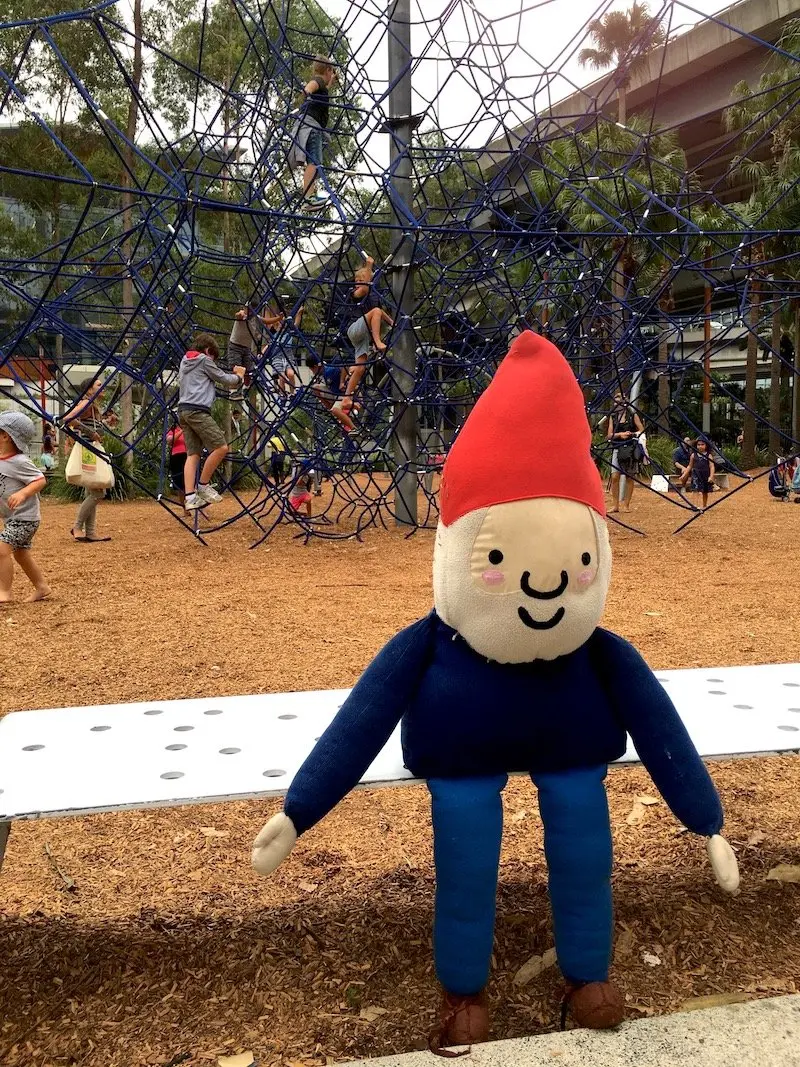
(701,469)
(623,427)
(197,377)
(86,418)
(327,385)
(20,485)
(682,455)
(301,487)
(310,133)
(776,482)
(364,319)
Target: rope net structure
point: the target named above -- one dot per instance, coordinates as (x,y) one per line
(147,191)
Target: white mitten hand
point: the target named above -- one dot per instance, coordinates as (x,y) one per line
(273,844)
(723,863)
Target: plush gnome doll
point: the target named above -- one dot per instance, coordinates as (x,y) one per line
(510,672)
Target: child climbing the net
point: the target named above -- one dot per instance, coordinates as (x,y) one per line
(365,318)
(327,385)
(282,351)
(310,133)
(197,378)
(20,485)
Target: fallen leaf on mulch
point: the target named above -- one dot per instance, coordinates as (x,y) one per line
(648,801)
(784,872)
(518,816)
(624,944)
(756,837)
(658,613)
(210,831)
(244,1059)
(534,967)
(369,1015)
(636,814)
(308,887)
(651,960)
(716,1000)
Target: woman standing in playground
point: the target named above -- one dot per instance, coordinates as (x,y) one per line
(86,418)
(624,426)
(310,133)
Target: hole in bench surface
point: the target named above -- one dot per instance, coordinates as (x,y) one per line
(182,729)
(792,685)
(715,679)
(31,748)
(99,729)
(229,751)
(175,748)
(213,711)
(744,707)
(172,774)
(287,716)
(154,711)
(274,773)
(717,692)
(793,709)
(792,729)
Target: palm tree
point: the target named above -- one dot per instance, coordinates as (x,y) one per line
(622,39)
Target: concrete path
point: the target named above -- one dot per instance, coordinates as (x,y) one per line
(760,1033)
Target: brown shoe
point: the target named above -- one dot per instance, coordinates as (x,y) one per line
(462,1021)
(596,1005)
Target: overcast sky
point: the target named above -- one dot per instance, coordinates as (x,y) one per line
(484,64)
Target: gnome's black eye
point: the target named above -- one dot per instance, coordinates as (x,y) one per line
(586,559)
(495,556)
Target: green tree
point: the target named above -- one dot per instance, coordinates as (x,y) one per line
(767,117)
(622,40)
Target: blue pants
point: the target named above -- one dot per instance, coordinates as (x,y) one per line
(468,828)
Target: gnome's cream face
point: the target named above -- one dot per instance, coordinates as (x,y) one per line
(525,580)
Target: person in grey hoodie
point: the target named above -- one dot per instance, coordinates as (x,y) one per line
(197,378)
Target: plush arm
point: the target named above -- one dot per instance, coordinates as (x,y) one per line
(361,728)
(661,740)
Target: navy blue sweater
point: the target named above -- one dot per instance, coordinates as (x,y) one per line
(464,716)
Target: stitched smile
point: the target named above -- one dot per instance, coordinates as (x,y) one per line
(548,624)
(528,589)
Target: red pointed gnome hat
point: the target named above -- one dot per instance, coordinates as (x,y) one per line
(527,436)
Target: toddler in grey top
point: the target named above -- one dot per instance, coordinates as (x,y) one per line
(20,485)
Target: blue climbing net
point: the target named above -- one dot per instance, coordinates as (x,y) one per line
(149,189)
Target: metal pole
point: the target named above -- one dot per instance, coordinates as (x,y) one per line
(707,356)
(403,351)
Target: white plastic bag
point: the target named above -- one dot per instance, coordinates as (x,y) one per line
(89,469)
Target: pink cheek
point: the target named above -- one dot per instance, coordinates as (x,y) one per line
(493,577)
(586,578)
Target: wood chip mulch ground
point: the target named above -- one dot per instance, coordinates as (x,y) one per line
(168,949)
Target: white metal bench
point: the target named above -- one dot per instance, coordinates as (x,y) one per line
(118,757)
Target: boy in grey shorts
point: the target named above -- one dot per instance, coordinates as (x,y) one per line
(197,377)
(20,485)
(366,317)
